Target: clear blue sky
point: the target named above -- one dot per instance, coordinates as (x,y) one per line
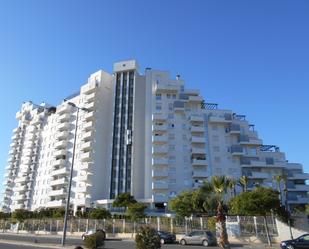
(250,56)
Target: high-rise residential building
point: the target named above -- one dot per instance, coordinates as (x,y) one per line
(144,134)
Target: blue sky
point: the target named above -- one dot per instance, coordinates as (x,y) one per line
(249,56)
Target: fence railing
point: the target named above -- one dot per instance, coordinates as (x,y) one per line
(236,225)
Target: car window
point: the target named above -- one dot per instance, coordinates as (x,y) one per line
(306,237)
(194,234)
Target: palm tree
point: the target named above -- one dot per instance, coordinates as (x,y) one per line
(232,186)
(218,186)
(278,179)
(244,181)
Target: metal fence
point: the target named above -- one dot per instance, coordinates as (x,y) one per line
(236,225)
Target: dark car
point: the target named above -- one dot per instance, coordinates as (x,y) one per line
(93,231)
(298,243)
(204,238)
(166,237)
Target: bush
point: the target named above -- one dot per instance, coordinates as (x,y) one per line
(94,241)
(147,238)
(211,223)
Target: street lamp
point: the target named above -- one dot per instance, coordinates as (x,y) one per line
(67,207)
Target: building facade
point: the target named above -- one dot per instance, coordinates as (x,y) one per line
(144,134)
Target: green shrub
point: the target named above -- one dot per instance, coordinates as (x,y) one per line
(211,223)
(147,238)
(94,241)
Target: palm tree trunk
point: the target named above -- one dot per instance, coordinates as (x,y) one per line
(221,219)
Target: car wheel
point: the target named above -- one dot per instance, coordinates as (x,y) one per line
(289,247)
(83,237)
(162,241)
(205,243)
(183,242)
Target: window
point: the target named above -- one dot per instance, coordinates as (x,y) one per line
(170,106)
(170,125)
(215,127)
(158,96)
(170,116)
(171,136)
(174,96)
(168,96)
(158,107)
(171,147)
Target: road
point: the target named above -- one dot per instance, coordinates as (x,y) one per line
(48,242)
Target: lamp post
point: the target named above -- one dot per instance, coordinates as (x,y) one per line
(67,207)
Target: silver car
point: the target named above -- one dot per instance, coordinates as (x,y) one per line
(204,238)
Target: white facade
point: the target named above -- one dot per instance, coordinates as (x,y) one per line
(143,134)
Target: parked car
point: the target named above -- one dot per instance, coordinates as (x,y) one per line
(166,237)
(300,242)
(204,238)
(93,231)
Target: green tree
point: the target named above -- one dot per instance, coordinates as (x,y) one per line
(183,205)
(147,238)
(244,181)
(136,210)
(232,187)
(21,215)
(124,200)
(218,186)
(259,202)
(99,213)
(58,213)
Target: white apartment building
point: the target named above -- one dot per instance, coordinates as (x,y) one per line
(143,134)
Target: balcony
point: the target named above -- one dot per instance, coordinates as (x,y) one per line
(62,135)
(86,157)
(21,197)
(263,164)
(159,117)
(245,140)
(200,174)
(166,88)
(87,146)
(61,144)
(22,179)
(60,181)
(159,161)
(179,106)
(89,126)
(19,206)
(196,99)
(63,127)
(36,120)
(300,176)
(159,173)
(237,150)
(65,117)
(199,162)
(299,200)
(198,129)
(225,119)
(88,135)
(90,97)
(65,108)
(196,118)
(84,166)
(197,140)
(59,163)
(22,188)
(60,153)
(160,198)
(234,129)
(90,106)
(88,88)
(159,185)
(60,172)
(55,203)
(159,128)
(159,150)
(196,150)
(299,187)
(82,189)
(84,178)
(89,116)
(259,175)
(59,192)
(159,139)
(18,115)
